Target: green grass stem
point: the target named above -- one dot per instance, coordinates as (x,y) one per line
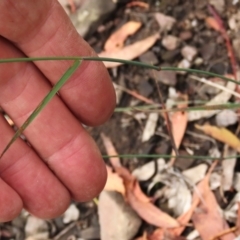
(102,59)
(43,103)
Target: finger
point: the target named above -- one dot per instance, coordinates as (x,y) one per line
(41,192)
(47,31)
(10,203)
(55,134)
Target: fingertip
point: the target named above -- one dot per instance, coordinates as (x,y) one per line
(97,178)
(53,209)
(90,94)
(10,203)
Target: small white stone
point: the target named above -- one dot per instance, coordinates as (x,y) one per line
(189,52)
(184,64)
(194,23)
(117,219)
(36,226)
(198,61)
(71,214)
(170,42)
(226,117)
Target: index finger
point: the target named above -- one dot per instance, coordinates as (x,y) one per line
(45,30)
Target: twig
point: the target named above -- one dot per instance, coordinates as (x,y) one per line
(229,230)
(136,95)
(72,5)
(168,125)
(227,40)
(204,80)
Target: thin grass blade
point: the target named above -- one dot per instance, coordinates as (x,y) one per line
(43,103)
(101,59)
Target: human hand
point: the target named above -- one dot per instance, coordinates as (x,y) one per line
(63,163)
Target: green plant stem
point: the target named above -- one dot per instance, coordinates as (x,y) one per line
(155,108)
(168,156)
(43,103)
(101,59)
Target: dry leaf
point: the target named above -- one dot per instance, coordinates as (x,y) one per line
(117,39)
(141,203)
(130,52)
(179,124)
(111,151)
(134,195)
(151,213)
(228,166)
(238,220)
(231,211)
(221,134)
(138,4)
(208,219)
(150,126)
(221,98)
(114,182)
(185,218)
(175,232)
(212,22)
(195,174)
(143,237)
(136,95)
(144,172)
(137,191)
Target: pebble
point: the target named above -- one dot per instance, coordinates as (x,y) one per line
(198,61)
(71,214)
(219,5)
(149,57)
(145,88)
(117,219)
(226,117)
(236,47)
(189,52)
(219,68)
(208,50)
(36,228)
(167,77)
(183,163)
(169,56)
(91,14)
(184,63)
(185,35)
(165,22)
(170,42)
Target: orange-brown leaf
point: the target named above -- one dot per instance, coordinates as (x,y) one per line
(208,219)
(114,182)
(131,51)
(212,22)
(179,123)
(221,134)
(176,232)
(111,151)
(138,4)
(117,39)
(136,198)
(150,213)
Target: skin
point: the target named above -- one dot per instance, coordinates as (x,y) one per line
(63,162)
